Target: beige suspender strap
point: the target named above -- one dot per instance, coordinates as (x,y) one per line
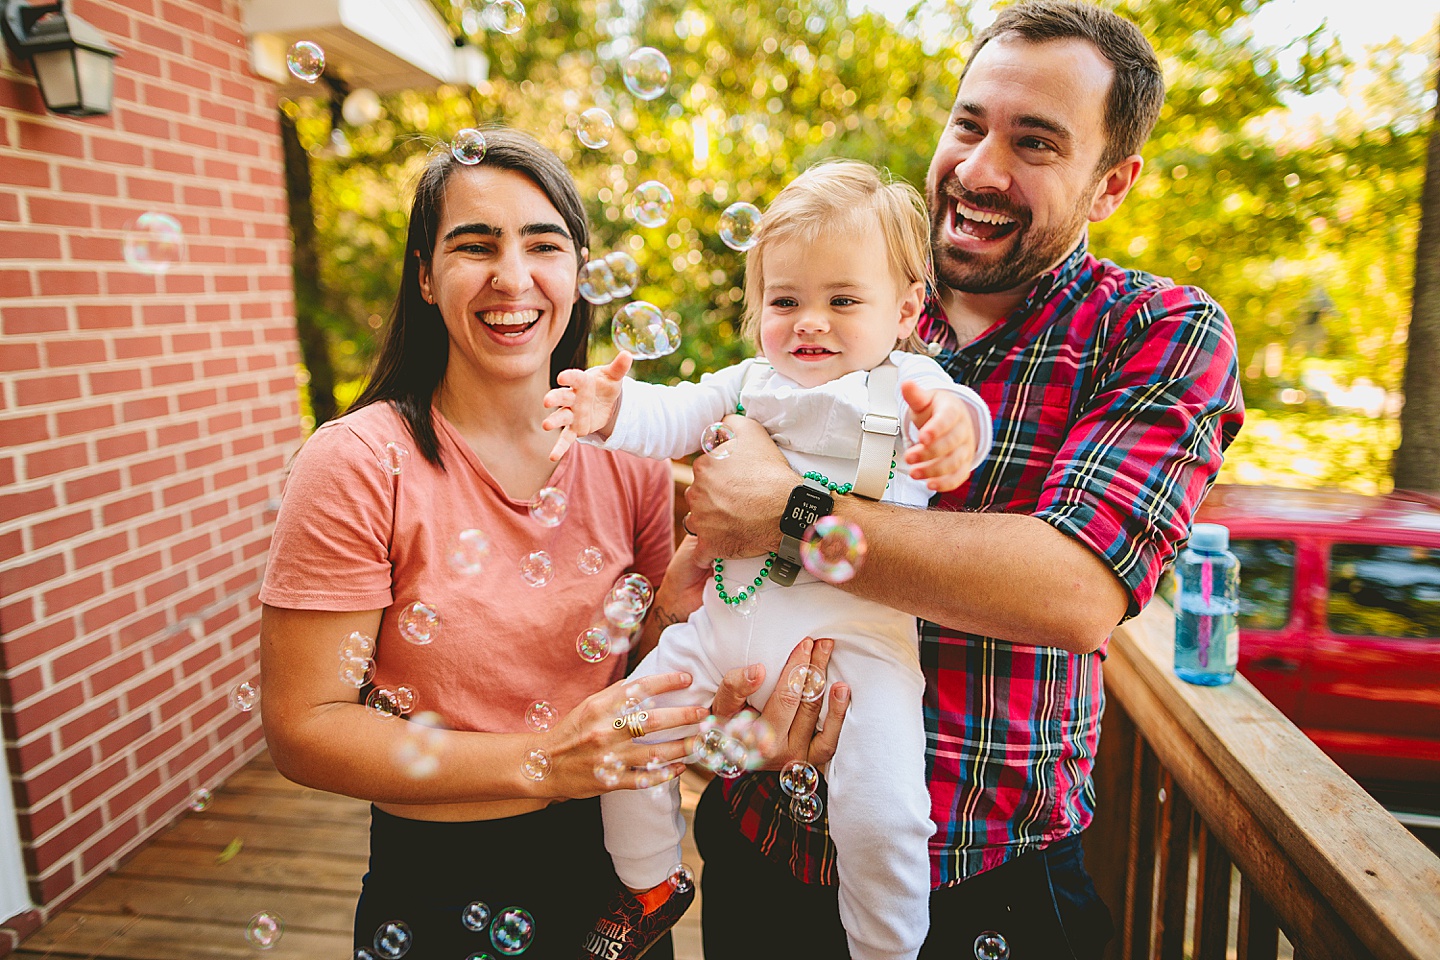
(879,433)
(750,371)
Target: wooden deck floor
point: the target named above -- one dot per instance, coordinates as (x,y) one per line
(301,855)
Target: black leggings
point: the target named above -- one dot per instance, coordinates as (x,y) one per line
(552,863)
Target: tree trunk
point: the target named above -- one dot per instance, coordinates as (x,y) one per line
(309,296)
(1417,461)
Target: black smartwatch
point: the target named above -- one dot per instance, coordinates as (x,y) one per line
(808,502)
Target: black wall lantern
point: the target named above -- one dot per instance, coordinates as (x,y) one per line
(74,63)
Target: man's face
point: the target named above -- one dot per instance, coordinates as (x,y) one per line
(1014,178)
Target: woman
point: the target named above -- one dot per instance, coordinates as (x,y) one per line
(447,440)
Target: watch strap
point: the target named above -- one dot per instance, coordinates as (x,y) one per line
(879,433)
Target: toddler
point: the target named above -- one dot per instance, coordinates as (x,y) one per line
(834,284)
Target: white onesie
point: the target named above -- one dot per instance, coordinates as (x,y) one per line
(879,805)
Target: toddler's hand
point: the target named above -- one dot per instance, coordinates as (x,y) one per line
(587,402)
(945,439)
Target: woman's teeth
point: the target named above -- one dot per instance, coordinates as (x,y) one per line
(520,320)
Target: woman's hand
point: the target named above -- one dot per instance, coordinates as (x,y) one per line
(587,739)
(795,722)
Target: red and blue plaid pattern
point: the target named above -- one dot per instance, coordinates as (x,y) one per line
(1114,394)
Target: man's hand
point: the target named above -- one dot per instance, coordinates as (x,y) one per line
(945,437)
(736,501)
(795,722)
(587,401)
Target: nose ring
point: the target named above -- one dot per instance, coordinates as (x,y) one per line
(494,281)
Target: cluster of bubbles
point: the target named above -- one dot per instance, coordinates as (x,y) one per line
(624,608)
(265,930)
(153,243)
(357,659)
(609,278)
(991,946)
(833,549)
(417,752)
(800,781)
(386,703)
(714,438)
(468,146)
(733,746)
(305,60)
(642,329)
(244,696)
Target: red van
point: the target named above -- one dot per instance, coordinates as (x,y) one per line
(1340,625)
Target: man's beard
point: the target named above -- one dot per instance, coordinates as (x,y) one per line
(1020,258)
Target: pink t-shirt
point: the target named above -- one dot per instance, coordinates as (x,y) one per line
(351,535)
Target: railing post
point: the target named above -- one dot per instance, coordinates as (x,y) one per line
(1259,934)
(1174,872)
(1107,838)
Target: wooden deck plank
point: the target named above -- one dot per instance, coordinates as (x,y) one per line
(105,937)
(320,839)
(184,900)
(336,873)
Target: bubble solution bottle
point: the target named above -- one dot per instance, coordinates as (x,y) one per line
(1207,640)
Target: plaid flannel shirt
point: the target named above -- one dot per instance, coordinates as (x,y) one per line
(1114,394)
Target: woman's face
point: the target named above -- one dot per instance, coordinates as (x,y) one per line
(503,274)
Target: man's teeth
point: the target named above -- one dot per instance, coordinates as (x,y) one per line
(981,216)
(496,318)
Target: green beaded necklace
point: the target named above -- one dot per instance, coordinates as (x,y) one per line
(749,591)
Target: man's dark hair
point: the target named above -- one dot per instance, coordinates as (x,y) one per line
(1138,89)
(416,348)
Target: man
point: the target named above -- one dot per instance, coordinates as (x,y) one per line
(1114,394)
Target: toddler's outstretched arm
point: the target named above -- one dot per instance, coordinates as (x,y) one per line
(588,401)
(945,437)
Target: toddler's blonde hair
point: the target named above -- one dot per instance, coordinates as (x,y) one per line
(836,197)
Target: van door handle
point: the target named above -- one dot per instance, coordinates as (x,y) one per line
(1277,664)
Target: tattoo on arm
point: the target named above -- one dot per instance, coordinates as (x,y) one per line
(663,618)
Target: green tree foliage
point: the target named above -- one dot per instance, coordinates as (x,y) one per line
(1279,229)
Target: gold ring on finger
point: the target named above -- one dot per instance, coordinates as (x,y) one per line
(635,723)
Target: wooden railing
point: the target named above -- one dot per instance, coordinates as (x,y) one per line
(1197,784)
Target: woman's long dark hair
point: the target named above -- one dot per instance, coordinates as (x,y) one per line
(416,348)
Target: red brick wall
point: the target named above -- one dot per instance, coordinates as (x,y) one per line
(144,425)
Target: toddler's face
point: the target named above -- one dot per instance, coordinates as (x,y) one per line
(833,306)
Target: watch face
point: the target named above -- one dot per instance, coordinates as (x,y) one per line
(805,507)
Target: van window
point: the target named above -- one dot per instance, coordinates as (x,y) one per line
(1267,579)
(1384,591)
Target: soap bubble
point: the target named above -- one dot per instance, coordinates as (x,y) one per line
(393,940)
(382,703)
(468,552)
(512,930)
(394,458)
(933,348)
(537,568)
(362,954)
(504,16)
(595,128)
(548,507)
(405,698)
(991,946)
(418,750)
(807,809)
(357,671)
(833,549)
(652,204)
(628,600)
(619,639)
(476,916)
(639,585)
(593,645)
(541,716)
(468,147)
(306,61)
(361,106)
(200,800)
(153,243)
(591,560)
(738,224)
(682,878)
(799,778)
(712,439)
(646,72)
(609,770)
(357,646)
(808,681)
(642,329)
(597,282)
(536,765)
(244,696)
(265,929)
(624,273)
(748,606)
(419,623)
